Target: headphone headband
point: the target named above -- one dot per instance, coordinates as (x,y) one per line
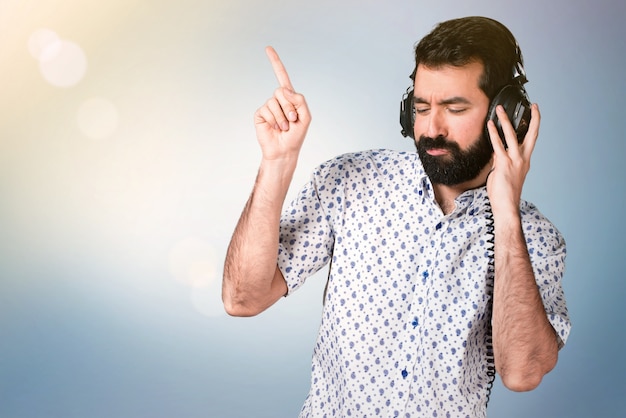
(519,74)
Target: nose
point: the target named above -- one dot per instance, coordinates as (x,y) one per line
(435,124)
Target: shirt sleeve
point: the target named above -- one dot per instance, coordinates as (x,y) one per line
(547,250)
(306,233)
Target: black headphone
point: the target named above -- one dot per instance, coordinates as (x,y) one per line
(512,97)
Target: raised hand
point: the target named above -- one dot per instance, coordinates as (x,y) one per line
(282,122)
(252,280)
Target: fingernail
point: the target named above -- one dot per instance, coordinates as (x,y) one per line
(284,126)
(293,116)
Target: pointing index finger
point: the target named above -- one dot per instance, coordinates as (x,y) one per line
(279,68)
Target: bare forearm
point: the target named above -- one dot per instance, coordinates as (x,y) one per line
(525,345)
(249,284)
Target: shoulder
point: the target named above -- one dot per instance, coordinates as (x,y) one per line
(370,161)
(383,170)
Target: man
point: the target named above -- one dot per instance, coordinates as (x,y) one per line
(439,268)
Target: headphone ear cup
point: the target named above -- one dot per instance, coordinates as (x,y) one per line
(407,114)
(514,100)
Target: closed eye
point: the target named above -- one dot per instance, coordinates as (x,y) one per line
(455,105)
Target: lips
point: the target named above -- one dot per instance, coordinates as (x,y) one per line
(437,151)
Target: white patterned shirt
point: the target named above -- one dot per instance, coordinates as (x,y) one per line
(405,316)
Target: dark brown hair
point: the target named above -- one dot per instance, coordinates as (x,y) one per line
(458,42)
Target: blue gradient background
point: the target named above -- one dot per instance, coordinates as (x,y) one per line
(93,319)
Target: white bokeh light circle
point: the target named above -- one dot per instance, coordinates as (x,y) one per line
(193,262)
(62,63)
(97,118)
(201,273)
(208,301)
(40,40)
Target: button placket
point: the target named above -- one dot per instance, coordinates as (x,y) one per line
(433,234)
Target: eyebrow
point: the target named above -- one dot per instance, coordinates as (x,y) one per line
(451,100)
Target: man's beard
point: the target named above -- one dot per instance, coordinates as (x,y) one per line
(457,166)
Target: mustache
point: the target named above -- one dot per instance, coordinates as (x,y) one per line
(427,142)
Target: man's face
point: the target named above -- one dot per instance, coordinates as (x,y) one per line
(450,112)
